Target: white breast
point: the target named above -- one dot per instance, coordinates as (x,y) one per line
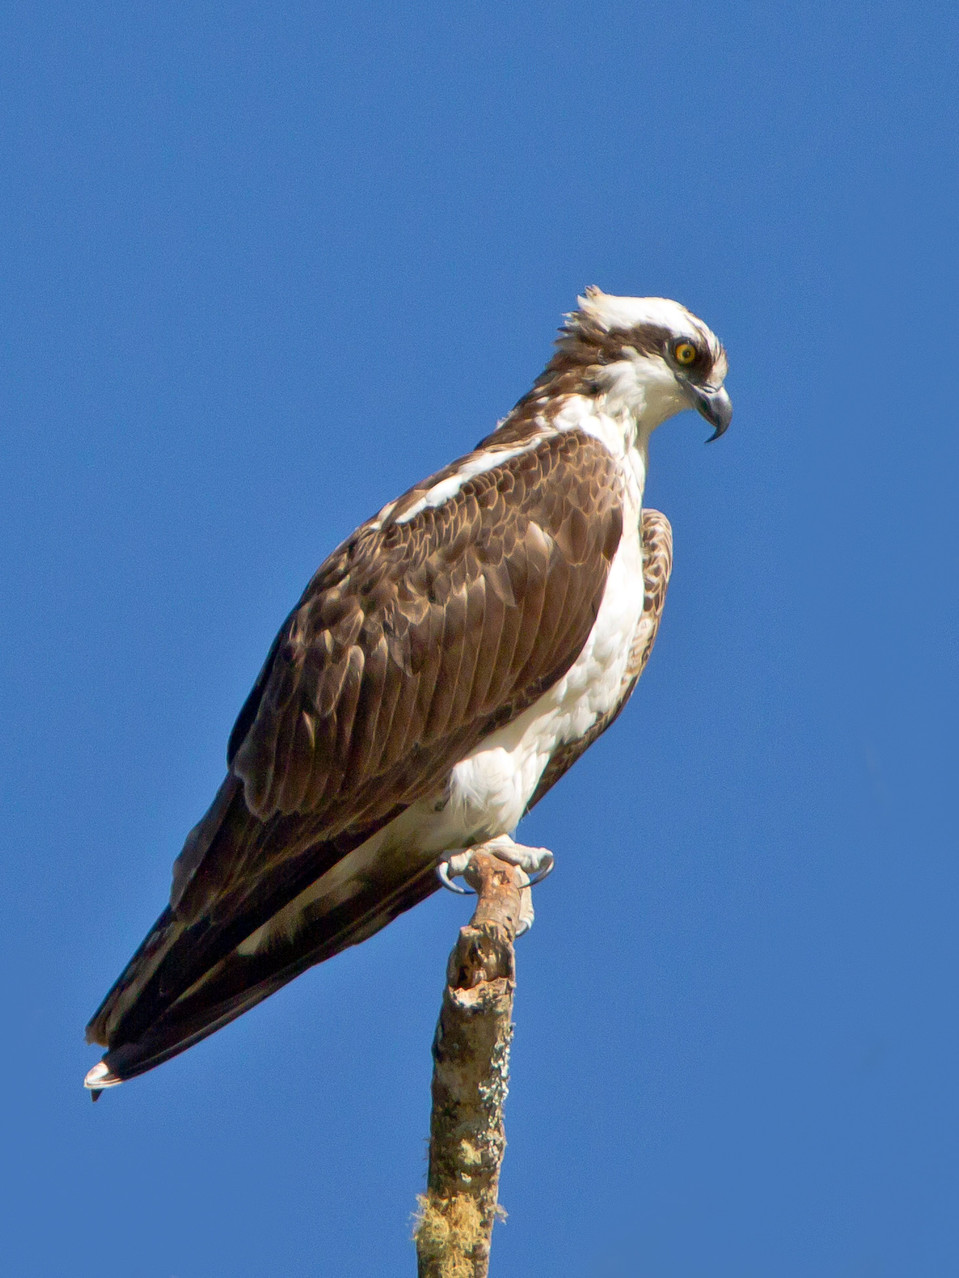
(491,788)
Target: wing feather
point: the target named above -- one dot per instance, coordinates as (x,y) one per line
(412,641)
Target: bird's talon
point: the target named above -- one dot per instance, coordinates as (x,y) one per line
(544,873)
(443,874)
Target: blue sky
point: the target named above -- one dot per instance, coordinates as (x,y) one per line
(264,268)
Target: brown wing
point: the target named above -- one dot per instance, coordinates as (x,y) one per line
(657,536)
(421,633)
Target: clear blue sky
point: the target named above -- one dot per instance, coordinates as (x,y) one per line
(265,266)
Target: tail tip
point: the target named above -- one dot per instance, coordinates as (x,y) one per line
(100,1078)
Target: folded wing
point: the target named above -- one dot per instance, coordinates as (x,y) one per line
(430,627)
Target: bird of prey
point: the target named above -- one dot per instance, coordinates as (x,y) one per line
(443,668)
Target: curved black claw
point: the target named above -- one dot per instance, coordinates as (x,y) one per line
(544,873)
(443,874)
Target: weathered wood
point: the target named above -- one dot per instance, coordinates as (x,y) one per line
(470,1080)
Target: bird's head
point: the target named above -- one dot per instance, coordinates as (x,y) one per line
(647,356)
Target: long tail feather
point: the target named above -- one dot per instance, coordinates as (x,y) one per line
(238,981)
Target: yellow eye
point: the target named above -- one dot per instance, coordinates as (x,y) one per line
(684,353)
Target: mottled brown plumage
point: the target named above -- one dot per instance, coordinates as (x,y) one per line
(422,632)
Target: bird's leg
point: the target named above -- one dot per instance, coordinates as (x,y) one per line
(534,864)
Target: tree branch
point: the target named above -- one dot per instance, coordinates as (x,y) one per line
(470,1080)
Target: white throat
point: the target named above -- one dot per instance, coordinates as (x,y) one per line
(636,391)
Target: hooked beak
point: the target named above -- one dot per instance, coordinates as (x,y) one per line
(714,404)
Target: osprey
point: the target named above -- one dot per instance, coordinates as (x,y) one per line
(444,667)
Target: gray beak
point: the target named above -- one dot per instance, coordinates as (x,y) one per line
(714,404)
